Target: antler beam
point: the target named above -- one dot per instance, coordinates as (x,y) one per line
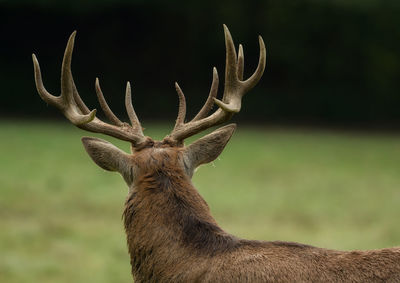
(234,89)
(75,110)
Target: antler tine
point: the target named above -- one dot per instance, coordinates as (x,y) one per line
(71,110)
(75,110)
(104,105)
(253,80)
(81,105)
(131,111)
(210,100)
(234,89)
(65,102)
(66,73)
(240,65)
(231,60)
(180,120)
(43,93)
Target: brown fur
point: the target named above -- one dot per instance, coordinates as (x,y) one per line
(172,237)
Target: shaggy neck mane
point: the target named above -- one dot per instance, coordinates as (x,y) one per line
(166,218)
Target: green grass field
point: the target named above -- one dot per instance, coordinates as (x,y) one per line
(60,215)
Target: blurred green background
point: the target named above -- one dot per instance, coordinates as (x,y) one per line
(61,215)
(315,159)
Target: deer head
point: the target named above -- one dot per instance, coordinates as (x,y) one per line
(147,153)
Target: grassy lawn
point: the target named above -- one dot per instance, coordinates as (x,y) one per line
(60,215)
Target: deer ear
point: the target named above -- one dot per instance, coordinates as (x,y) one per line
(106,155)
(208,148)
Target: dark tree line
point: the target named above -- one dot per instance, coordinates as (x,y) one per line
(328,61)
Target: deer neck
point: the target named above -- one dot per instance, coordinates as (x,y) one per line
(166,220)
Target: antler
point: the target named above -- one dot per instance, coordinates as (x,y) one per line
(234,89)
(75,110)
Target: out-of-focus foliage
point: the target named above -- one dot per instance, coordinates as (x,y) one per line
(328,61)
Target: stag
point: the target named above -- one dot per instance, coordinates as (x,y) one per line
(171,234)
